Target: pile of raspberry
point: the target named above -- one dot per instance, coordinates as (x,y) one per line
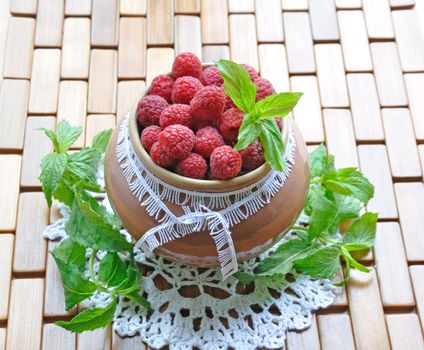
(189,125)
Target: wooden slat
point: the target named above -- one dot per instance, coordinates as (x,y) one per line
(414,86)
(348,4)
(410,197)
(25,318)
(5,16)
(335,332)
(306,339)
(97,123)
(241,6)
(133,7)
(23,7)
(105,23)
(212,53)
(375,166)
(78,7)
(49,23)
(324,20)
(299,45)
(273,66)
(132,48)
(340,291)
(214,17)
(101,87)
(160,26)
(340,137)
(98,339)
(417,277)
(364,299)
(10,171)
(405,332)
(390,254)
(159,61)
(188,35)
(400,141)
(129,92)
(388,75)
(402,3)
(243,51)
(365,107)
(13,112)
(19,48)
(73,105)
(76,48)
(307,112)
(44,89)
(269,21)
(3,338)
(295,5)
(421,152)
(55,338)
(356,52)
(331,76)
(119,343)
(6,255)
(378,19)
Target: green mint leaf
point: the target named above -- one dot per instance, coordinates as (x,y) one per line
(238,85)
(346,208)
(76,287)
(272,143)
(245,277)
(64,193)
(323,263)
(71,253)
(349,181)
(52,168)
(277,105)
(319,162)
(361,234)
(101,140)
(84,164)
(140,300)
(321,211)
(90,319)
(52,136)
(66,135)
(112,270)
(351,262)
(281,261)
(248,132)
(132,281)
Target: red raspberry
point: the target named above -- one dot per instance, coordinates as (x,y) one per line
(200,124)
(149,109)
(265,89)
(184,89)
(252,156)
(208,103)
(162,86)
(207,139)
(193,166)
(252,72)
(187,64)
(177,141)
(149,136)
(229,103)
(225,163)
(176,114)
(160,157)
(229,124)
(212,76)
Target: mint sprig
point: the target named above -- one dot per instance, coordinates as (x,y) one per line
(259,119)
(71,178)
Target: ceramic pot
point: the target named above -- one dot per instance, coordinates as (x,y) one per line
(250,237)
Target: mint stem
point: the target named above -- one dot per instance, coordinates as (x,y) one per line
(93,276)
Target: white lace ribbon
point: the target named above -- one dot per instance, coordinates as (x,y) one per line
(201,209)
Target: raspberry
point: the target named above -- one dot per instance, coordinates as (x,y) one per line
(149,109)
(225,163)
(162,86)
(160,157)
(207,139)
(176,114)
(149,136)
(229,124)
(212,76)
(200,124)
(193,166)
(252,156)
(265,89)
(208,103)
(186,64)
(229,103)
(177,141)
(184,89)
(252,72)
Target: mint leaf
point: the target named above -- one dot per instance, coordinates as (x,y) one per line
(52,136)
(248,132)
(322,212)
(245,277)
(90,319)
(277,105)
(132,281)
(346,208)
(112,270)
(84,164)
(319,162)
(351,262)
(323,263)
(238,85)
(361,234)
(64,193)
(349,181)
(72,253)
(101,140)
(52,168)
(140,300)
(66,135)
(272,143)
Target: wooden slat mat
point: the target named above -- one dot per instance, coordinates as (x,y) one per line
(360,63)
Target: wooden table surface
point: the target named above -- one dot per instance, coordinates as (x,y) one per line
(359,63)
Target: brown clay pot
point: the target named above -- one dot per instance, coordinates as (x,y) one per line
(250,237)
